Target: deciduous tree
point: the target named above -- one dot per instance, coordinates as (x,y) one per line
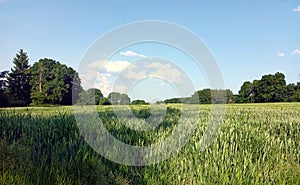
(53,83)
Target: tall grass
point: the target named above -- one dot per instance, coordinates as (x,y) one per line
(257,144)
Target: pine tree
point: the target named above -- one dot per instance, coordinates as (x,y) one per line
(18,81)
(3,86)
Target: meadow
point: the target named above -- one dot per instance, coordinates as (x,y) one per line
(256,144)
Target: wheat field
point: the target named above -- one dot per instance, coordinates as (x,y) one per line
(256,144)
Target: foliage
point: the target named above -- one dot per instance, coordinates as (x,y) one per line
(18,81)
(116,98)
(3,80)
(139,102)
(205,96)
(173,100)
(92,96)
(3,87)
(270,88)
(246,93)
(53,83)
(292,93)
(257,144)
(104,101)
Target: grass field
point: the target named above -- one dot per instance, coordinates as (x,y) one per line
(256,144)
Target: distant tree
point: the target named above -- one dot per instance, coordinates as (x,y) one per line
(76,88)
(219,96)
(3,87)
(205,96)
(292,93)
(139,102)
(3,80)
(92,96)
(202,96)
(271,88)
(208,96)
(118,99)
(18,81)
(185,100)
(159,102)
(236,98)
(229,96)
(173,100)
(104,101)
(246,92)
(297,92)
(53,83)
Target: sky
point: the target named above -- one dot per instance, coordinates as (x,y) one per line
(248,39)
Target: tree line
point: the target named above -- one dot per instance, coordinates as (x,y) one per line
(48,82)
(270,88)
(45,82)
(205,96)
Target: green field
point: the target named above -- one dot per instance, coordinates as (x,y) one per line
(256,144)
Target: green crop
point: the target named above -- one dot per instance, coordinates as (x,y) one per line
(256,144)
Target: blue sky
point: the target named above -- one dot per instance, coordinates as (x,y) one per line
(247,38)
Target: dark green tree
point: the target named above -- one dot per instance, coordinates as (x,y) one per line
(297,93)
(229,96)
(116,98)
(3,80)
(271,88)
(173,100)
(292,93)
(53,83)
(246,93)
(202,96)
(18,81)
(3,87)
(139,102)
(205,96)
(92,96)
(104,101)
(219,96)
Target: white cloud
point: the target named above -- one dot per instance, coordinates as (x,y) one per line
(156,65)
(296,52)
(135,75)
(132,54)
(170,74)
(116,67)
(104,74)
(87,78)
(93,79)
(100,74)
(280,54)
(297,9)
(120,88)
(166,72)
(103,83)
(109,66)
